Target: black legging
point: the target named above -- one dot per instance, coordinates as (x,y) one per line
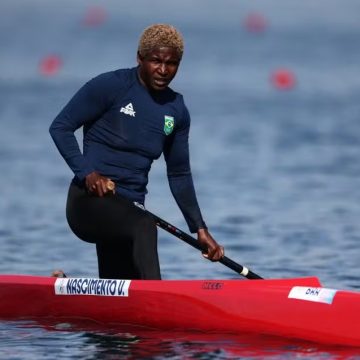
(125,235)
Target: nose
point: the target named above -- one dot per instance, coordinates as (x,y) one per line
(163,69)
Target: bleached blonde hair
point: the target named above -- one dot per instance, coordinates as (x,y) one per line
(160,35)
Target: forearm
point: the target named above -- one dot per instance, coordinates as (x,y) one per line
(183,191)
(65,141)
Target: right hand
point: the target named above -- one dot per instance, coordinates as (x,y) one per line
(212,250)
(99,185)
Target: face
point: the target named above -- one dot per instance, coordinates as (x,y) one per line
(158,67)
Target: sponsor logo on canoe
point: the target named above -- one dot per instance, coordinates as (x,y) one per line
(212,285)
(90,286)
(322,295)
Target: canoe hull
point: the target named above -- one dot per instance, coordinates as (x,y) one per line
(291,308)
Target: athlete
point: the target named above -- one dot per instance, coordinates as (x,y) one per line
(129,118)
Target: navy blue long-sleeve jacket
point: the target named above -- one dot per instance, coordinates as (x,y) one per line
(126,127)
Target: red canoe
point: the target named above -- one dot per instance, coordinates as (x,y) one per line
(292,308)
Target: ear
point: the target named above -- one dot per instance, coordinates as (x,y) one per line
(139,58)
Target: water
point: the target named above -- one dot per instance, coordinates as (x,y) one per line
(276,172)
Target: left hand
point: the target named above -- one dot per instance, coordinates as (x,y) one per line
(214,251)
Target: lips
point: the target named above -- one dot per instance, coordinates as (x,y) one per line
(161,82)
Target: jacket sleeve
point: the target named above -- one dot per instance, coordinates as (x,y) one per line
(176,154)
(86,106)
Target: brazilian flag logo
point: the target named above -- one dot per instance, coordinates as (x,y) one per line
(168,125)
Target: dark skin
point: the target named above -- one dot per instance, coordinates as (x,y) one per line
(157,69)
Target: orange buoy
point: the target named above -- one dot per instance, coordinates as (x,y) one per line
(255,22)
(94,16)
(283,79)
(50,65)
